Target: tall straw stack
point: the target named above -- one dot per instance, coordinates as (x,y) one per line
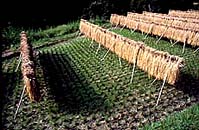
(156,63)
(28,69)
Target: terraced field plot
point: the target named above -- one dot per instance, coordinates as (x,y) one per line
(80,91)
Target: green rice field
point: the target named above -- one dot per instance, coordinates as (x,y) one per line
(80,91)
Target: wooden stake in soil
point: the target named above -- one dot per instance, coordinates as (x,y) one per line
(174,43)
(91,43)
(120,62)
(132,74)
(153,81)
(183,47)
(161,90)
(18,106)
(196,50)
(161,36)
(107,51)
(98,48)
(19,62)
(150,29)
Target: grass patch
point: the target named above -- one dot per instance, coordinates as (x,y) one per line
(11,35)
(185,120)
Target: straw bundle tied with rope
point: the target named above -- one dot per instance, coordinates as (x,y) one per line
(156,63)
(28,69)
(159,30)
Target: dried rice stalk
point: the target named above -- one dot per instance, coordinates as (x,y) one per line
(156,63)
(183,14)
(28,69)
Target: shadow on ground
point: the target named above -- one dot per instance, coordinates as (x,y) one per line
(9,90)
(189,85)
(68,86)
(9,84)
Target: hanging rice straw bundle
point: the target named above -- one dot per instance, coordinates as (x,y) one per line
(97,39)
(140,56)
(171,17)
(82,26)
(93,32)
(149,61)
(159,30)
(156,63)
(159,21)
(170,33)
(155,30)
(196,39)
(145,27)
(114,19)
(103,36)
(108,39)
(146,60)
(113,42)
(183,14)
(129,52)
(162,65)
(175,69)
(125,50)
(28,69)
(121,46)
(178,35)
(123,20)
(117,45)
(189,36)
